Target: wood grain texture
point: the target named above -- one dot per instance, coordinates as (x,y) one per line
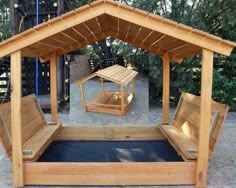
(53,86)
(103,133)
(159,173)
(40,141)
(118,74)
(122,99)
(166,88)
(16,120)
(205,118)
(183,132)
(82,96)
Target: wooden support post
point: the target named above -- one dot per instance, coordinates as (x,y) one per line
(122,98)
(16,121)
(166,88)
(102,84)
(82,96)
(133,87)
(53,86)
(205,118)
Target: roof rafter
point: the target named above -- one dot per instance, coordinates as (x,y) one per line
(148,31)
(170,28)
(147,47)
(75,46)
(47,29)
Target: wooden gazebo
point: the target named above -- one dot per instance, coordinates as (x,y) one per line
(111,102)
(78,28)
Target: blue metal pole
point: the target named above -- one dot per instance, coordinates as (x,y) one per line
(36,59)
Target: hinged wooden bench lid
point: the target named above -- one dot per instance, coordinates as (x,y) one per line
(183,132)
(32,121)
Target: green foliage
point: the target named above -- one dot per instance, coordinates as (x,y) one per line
(4,20)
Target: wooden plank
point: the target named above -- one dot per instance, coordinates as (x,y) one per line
(39,142)
(32,121)
(133,87)
(186,125)
(102,83)
(205,118)
(122,100)
(185,146)
(166,88)
(146,46)
(53,86)
(116,133)
(94,108)
(82,97)
(94,27)
(84,79)
(16,121)
(74,46)
(52,27)
(159,173)
(118,74)
(170,28)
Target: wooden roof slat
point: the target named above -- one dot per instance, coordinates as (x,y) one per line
(49,45)
(55,42)
(117,74)
(137,34)
(186,49)
(75,30)
(69,37)
(145,46)
(192,53)
(170,28)
(89,29)
(158,40)
(178,47)
(113,17)
(150,33)
(73,34)
(83,30)
(75,46)
(123,27)
(55,27)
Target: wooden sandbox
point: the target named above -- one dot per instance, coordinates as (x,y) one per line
(111,102)
(84,26)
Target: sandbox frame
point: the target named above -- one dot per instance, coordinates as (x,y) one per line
(113,173)
(110,102)
(36,42)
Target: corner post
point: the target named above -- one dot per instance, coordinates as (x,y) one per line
(133,87)
(205,118)
(166,88)
(53,86)
(122,98)
(102,84)
(82,96)
(16,120)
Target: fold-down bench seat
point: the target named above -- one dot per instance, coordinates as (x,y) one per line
(36,133)
(183,132)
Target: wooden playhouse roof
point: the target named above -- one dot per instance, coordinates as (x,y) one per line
(115,73)
(104,18)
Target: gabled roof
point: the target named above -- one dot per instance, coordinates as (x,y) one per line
(115,73)
(104,18)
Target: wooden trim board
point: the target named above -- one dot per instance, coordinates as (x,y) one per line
(103,133)
(150,173)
